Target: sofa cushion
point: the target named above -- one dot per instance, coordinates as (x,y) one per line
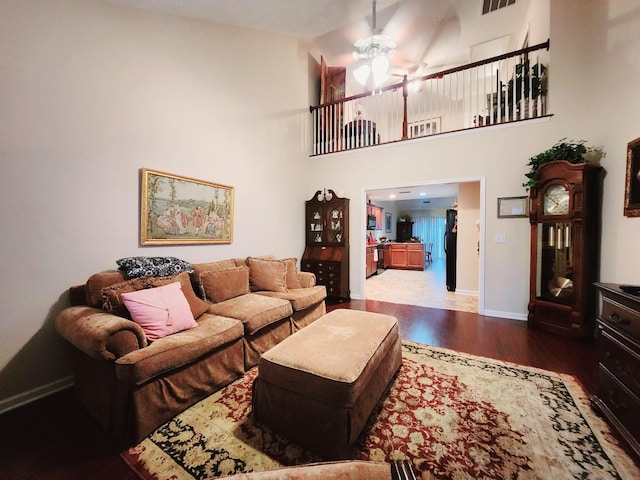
(253,310)
(267,275)
(112,301)
(200,268)
(98,281)
(220,285)
(291,264)
(300,298)
(160,311)
(245,260)
(134,267)
(177,350)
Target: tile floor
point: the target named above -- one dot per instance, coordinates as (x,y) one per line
(424,289)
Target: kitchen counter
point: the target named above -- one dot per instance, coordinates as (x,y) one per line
(405,255)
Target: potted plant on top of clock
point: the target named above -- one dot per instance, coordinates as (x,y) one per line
(570,151)
(528,84)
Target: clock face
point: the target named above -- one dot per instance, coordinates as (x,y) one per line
(556,200)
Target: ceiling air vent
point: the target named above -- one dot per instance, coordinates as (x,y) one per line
(489,6)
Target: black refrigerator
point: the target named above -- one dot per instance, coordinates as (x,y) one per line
(450,247)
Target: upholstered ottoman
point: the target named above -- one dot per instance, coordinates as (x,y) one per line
(319,386)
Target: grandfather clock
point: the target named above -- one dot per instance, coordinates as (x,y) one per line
(565,207)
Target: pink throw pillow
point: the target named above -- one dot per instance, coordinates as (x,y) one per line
(160,311)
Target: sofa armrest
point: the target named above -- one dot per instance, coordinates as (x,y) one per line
(307,279)
(91,330)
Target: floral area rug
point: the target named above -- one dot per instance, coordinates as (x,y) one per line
(454,416)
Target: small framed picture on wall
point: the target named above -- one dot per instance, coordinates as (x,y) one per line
(513,207)
(387,222)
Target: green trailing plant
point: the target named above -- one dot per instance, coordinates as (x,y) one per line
(529,81)
(571,151)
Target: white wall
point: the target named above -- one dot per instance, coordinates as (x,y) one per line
(467,255)
(90,93)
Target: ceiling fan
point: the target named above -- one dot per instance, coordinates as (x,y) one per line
(400,37)
(375,50)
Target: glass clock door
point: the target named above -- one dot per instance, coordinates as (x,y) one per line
(554,272)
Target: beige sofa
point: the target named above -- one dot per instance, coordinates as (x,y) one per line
(131,385)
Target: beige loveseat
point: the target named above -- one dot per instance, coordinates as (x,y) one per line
(242,307)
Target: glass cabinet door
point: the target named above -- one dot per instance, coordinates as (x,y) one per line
(315,225)
(335,224)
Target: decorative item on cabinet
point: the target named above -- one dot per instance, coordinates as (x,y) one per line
(618,346)
(326,253)
(565,218)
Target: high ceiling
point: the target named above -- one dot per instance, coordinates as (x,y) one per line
(438,33)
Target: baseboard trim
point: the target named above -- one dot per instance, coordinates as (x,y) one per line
(471,293)
(508,315)
(32,395)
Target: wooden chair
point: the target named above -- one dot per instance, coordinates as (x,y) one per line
(428,260)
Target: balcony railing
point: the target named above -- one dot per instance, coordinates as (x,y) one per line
(502,89)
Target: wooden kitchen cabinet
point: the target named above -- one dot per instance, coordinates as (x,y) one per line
(376,212)
(397,256)
(415,256)
(371,263)
(407,256)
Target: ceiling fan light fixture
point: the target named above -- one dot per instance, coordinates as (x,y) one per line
(379,67)
(362,73)
(377,49)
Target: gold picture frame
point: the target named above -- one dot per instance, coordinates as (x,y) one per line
(632,183)
(513,207)
(177,210)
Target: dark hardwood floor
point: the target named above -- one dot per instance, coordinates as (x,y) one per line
(54,439)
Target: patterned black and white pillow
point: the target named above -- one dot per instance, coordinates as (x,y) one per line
(133,267)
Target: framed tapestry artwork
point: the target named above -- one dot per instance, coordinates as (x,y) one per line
(632,184)
(177,210)
(513,207)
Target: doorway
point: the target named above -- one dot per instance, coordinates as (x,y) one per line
(428,287)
